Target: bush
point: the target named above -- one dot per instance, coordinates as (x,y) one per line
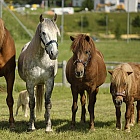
(136,22)
(117,31)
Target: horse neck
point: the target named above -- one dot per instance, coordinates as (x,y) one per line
(35,44)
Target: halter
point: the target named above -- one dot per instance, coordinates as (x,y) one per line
(47,44)
(84,63)
(120,94)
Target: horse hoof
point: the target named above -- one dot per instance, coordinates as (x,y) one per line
(48,130)
(30,130)
(92,129)
(118,129)
(72,127)
(12,127)
(127,130)
(131,124)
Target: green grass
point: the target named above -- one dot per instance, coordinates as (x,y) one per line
(61,118)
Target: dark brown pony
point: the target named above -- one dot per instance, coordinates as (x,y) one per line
(85,71)
(7,66)
(125,87)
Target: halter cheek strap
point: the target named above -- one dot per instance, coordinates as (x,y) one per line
(50,42)
(84,63)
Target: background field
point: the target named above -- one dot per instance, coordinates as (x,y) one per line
(112,50)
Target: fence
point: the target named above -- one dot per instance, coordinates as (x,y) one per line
(62,65)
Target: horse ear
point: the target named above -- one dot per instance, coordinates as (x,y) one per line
(110,71)
(41,18)
(129,73)
(55,17)
(87,38)
(72,38)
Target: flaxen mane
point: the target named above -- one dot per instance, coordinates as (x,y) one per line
(120,75)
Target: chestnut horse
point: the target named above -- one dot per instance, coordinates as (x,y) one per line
(85,71)
(7,66)
(124,87)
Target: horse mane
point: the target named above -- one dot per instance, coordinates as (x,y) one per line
(120,75)
(80,42)
(2,31)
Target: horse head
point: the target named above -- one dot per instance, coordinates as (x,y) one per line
(48,36)
(119,85)
(82,51)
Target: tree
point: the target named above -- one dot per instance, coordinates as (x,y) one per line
(118,31)
(88,4)
(136,22)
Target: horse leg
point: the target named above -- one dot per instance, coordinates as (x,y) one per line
(30,89)
(49,87)
(26,109)
(74,106)
(92,101)
(118,115)
(18,106)
(83,102)
(10,101)
(127,116)
(132,117)
(118,118)
(138,112)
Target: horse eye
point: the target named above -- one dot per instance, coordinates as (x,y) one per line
(43,33)
(86,52)
(124,84)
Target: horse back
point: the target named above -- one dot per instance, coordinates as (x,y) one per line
(136,83)
(98,68)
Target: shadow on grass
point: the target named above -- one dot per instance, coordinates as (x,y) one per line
(59,125)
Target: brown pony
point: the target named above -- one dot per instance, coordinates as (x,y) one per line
(7,66)
(125,81)
(85,70)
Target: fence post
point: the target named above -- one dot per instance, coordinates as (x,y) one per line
(64,80)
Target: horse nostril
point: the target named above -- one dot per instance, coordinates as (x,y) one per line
(82,72)
(78,74)
(51,53)
(118,102)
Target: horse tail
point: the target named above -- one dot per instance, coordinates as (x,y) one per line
(39,97)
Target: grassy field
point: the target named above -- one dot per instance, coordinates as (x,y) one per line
(62,101)
(61,117)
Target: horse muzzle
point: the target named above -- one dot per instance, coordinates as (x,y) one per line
(79,68)
(53,55)
(118,101)
(79,74)
(119,98)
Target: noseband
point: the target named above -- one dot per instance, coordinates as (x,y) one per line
(120,94)
(81,61)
